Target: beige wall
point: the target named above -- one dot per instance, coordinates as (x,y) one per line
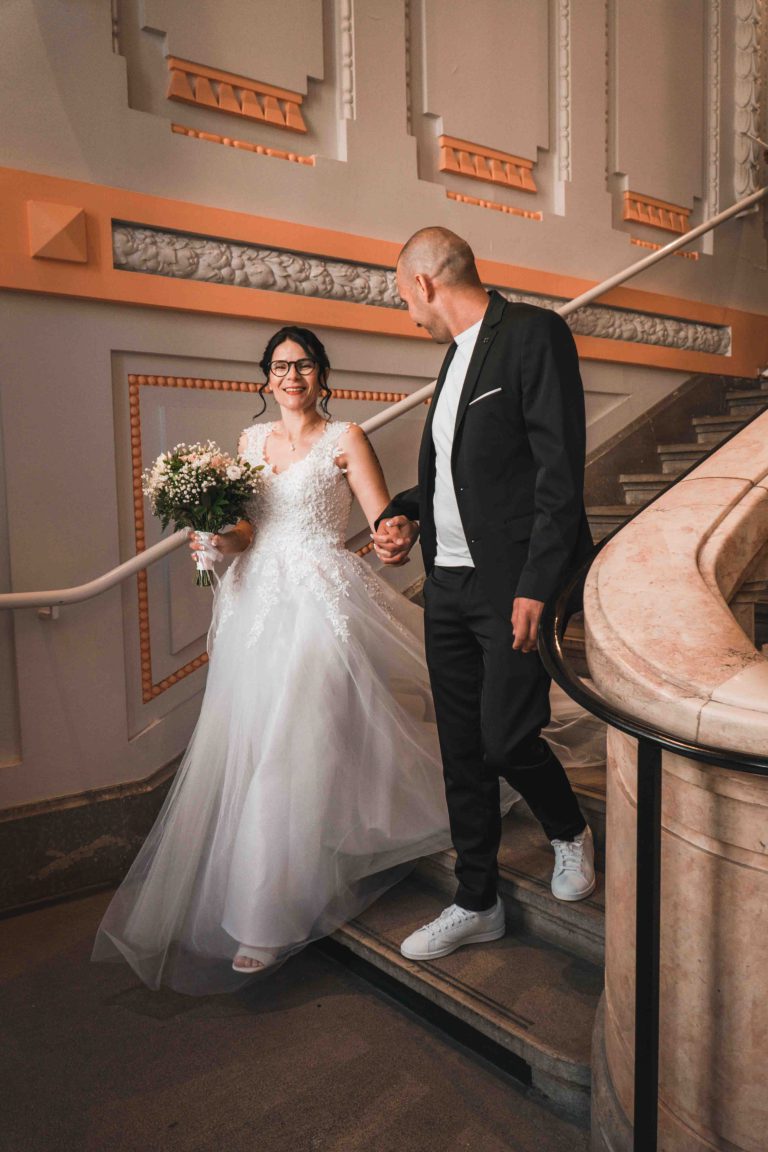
(596,99)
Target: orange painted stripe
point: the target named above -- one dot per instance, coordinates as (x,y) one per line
(98,280)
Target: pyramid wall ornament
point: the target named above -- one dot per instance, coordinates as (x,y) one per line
(57,231)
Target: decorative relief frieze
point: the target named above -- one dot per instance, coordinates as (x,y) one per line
(656,213)
(115,22)
(248,266)
(510,209)
(214,261)
(564,89)
(347,54)
(749,23)
(480,163)
(713,110)
(243,145)
(211,88)
(642,327)
(408,69)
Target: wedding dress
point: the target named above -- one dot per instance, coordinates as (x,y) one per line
(313,778)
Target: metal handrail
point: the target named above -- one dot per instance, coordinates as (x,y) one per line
(651,742)
(157,551)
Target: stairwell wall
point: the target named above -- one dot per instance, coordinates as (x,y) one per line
(181,178)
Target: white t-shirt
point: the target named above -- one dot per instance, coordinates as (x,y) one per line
(452,549)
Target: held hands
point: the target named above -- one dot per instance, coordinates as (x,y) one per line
(394,539)
(525,623)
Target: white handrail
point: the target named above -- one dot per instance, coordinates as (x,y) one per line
(100,584)
(654,257)
(157,551)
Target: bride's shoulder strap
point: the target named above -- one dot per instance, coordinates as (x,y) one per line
(336,431)
(251,436)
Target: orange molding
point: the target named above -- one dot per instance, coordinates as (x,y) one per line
(656,213)
(508,208)
(244,145)
(226,92)
(656,247)
(57,232)
(149,687)
(97,279)
(479,163)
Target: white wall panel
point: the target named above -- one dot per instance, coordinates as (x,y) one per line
(659,71)
(486,71)
(277,41)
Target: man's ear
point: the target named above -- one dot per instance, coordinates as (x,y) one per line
(425,286)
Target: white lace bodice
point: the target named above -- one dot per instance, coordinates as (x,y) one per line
(309,502)
(300,518)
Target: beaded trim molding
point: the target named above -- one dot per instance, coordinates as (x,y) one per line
(150,688)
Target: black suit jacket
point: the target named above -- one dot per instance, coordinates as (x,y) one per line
(518,456)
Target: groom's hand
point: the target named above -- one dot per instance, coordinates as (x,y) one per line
(394,538)
(525,622)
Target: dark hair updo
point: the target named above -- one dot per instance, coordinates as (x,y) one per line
(307,340)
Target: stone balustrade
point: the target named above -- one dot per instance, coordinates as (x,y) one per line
(663,645)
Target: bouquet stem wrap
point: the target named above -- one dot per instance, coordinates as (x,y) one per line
(205,559)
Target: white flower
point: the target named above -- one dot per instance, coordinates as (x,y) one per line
(234,472)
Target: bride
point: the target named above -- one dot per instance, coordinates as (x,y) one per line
(313,778)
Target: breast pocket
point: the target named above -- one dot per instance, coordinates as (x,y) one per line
(484,396)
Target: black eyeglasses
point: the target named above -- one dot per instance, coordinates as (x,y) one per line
(282,367)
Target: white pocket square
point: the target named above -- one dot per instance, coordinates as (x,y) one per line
(492,392)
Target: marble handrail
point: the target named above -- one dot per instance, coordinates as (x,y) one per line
(662,643)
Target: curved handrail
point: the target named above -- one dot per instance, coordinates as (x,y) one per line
(551,630)
(554,619)
(157,551)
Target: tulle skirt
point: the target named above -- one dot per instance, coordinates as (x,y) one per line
(311,784)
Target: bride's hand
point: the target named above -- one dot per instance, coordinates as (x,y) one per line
(228,543)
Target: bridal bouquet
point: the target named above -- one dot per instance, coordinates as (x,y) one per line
(200,487)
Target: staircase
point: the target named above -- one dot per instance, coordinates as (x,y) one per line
(526,1002)
(636,488)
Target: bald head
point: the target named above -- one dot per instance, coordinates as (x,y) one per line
(441,255)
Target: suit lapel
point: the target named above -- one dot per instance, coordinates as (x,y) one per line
(485,338)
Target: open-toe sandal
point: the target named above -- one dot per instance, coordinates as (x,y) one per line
(266,957)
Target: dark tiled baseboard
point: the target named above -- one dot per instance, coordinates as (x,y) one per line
(73,845)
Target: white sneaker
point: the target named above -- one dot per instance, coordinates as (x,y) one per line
(574,874)
(453,928)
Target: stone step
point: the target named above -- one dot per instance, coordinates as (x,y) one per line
(676,458)
(747,401)
(533,1001)
(713,429)
(525,871)
(603,518)
(640,487)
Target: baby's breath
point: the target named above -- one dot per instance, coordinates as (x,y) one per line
(198,486)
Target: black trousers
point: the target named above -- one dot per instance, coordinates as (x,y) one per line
(491,703)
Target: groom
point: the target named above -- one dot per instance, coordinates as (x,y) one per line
(499,505)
